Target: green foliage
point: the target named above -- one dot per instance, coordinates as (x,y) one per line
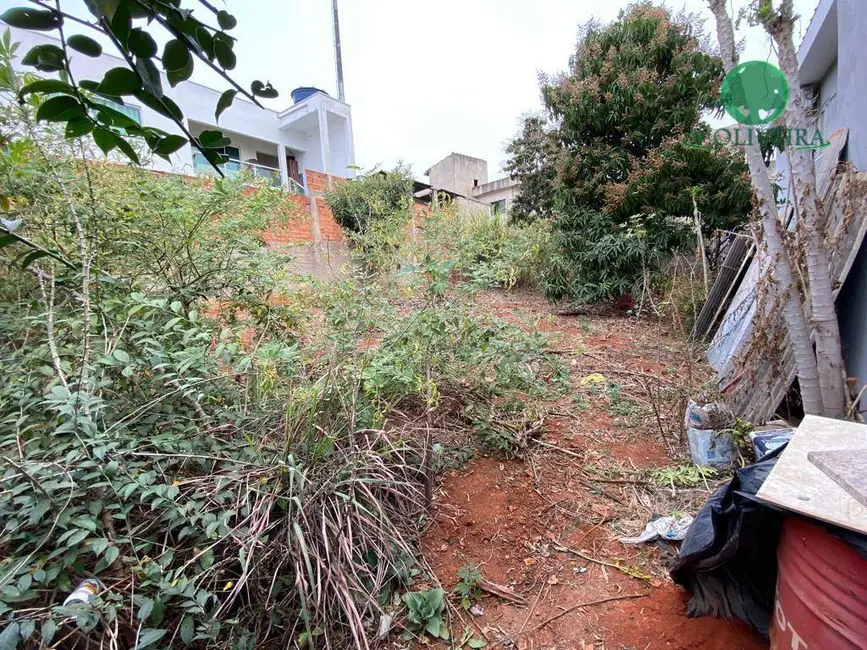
(495,252)
(610,165)
(740,432)
(469,585)
(371,198)
(531,160)
(502,427)
(683,475)
(617,404)
(128,25)
(598,258)
(425,613)
(469,641)
(205,433)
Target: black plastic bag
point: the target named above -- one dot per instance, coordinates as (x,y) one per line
(728,559)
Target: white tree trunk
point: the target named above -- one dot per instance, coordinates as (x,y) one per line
(784,285)
(829,355)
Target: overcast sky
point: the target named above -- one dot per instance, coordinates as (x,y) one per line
(425,77)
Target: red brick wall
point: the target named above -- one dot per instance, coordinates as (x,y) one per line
(316,182)
(317,185)
(328,227)
(297,227)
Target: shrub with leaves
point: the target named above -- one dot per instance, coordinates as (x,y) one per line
(130,26)
(372,197)
(425,613)
(189,461)
(494,251)
(469,579)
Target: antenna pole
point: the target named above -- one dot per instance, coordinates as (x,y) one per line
(338,58)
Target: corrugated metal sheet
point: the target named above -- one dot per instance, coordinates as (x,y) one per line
(755,393)
(727,281)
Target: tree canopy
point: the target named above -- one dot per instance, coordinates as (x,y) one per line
(612,153)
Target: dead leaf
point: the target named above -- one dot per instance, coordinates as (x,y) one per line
(553,580)
(529,561)
(601,510)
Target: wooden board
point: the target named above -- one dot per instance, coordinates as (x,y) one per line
(847,469)
(797,485)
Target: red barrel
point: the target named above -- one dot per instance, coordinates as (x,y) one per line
(821,591)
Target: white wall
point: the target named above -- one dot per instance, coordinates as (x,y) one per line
(339,147)
(198,104)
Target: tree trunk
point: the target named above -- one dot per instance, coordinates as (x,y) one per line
(780,267)
(829,355)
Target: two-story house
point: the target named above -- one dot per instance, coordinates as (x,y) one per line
(314,134)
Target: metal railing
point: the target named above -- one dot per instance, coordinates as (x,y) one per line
(295,187)
(235,167)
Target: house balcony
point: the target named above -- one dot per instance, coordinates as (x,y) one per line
(236,167)
(258,158)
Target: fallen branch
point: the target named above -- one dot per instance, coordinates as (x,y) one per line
(618,481)
(532,610)
(604,493)
(633,373)
(502,592)
(630,572)
(548,445)
(568,610)
(588,603)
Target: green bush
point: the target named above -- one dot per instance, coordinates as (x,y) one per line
(371,197)
(596,258)
(491,251)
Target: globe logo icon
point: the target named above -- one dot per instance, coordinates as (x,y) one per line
(755,93)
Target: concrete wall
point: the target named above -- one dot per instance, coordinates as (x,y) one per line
(851,110)
(458,173)
(339,149)
(848,79)
(833,57)
(503,189)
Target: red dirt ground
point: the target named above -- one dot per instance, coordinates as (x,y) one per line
(513,518)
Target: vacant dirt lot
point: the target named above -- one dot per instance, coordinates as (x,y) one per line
(546,526)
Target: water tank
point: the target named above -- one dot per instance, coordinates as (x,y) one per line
(821,591)
(303,92)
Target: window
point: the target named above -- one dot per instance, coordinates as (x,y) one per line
(475,182)
(498,207)
(201,164)
(132,112)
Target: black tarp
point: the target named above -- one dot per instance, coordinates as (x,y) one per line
(728,559)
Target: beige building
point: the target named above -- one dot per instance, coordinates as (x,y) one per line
(467,177)
(499,194)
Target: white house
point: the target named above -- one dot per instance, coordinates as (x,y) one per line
(314,134)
